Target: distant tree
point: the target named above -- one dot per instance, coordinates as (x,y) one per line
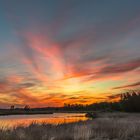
(12,107)
(27,107)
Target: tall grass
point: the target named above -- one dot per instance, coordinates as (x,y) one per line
(106,127)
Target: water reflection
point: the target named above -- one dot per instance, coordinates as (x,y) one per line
(56,118)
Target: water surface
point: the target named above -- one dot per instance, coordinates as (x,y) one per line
(56,118)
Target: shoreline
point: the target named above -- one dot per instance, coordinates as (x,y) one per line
(6,112)
(33,112)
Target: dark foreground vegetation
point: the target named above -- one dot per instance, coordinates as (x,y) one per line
(108,126)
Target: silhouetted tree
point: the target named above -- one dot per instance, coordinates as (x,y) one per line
(131,101)
(12,107)
(27,107)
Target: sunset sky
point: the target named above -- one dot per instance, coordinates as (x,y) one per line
(68,51)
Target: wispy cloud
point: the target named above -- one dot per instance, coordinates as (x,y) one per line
(68,51)
(128,86)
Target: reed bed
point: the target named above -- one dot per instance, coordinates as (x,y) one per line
(107,127)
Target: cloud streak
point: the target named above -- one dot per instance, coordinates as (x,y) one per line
(128,86)
(68,52)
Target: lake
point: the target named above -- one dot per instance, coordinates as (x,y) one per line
(55,118)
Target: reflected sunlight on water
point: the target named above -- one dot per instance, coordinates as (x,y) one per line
(25,120)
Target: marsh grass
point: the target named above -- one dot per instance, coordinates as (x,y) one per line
(106,127)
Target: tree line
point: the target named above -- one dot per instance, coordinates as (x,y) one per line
(129,102)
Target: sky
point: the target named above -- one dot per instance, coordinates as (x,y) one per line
(68,51)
